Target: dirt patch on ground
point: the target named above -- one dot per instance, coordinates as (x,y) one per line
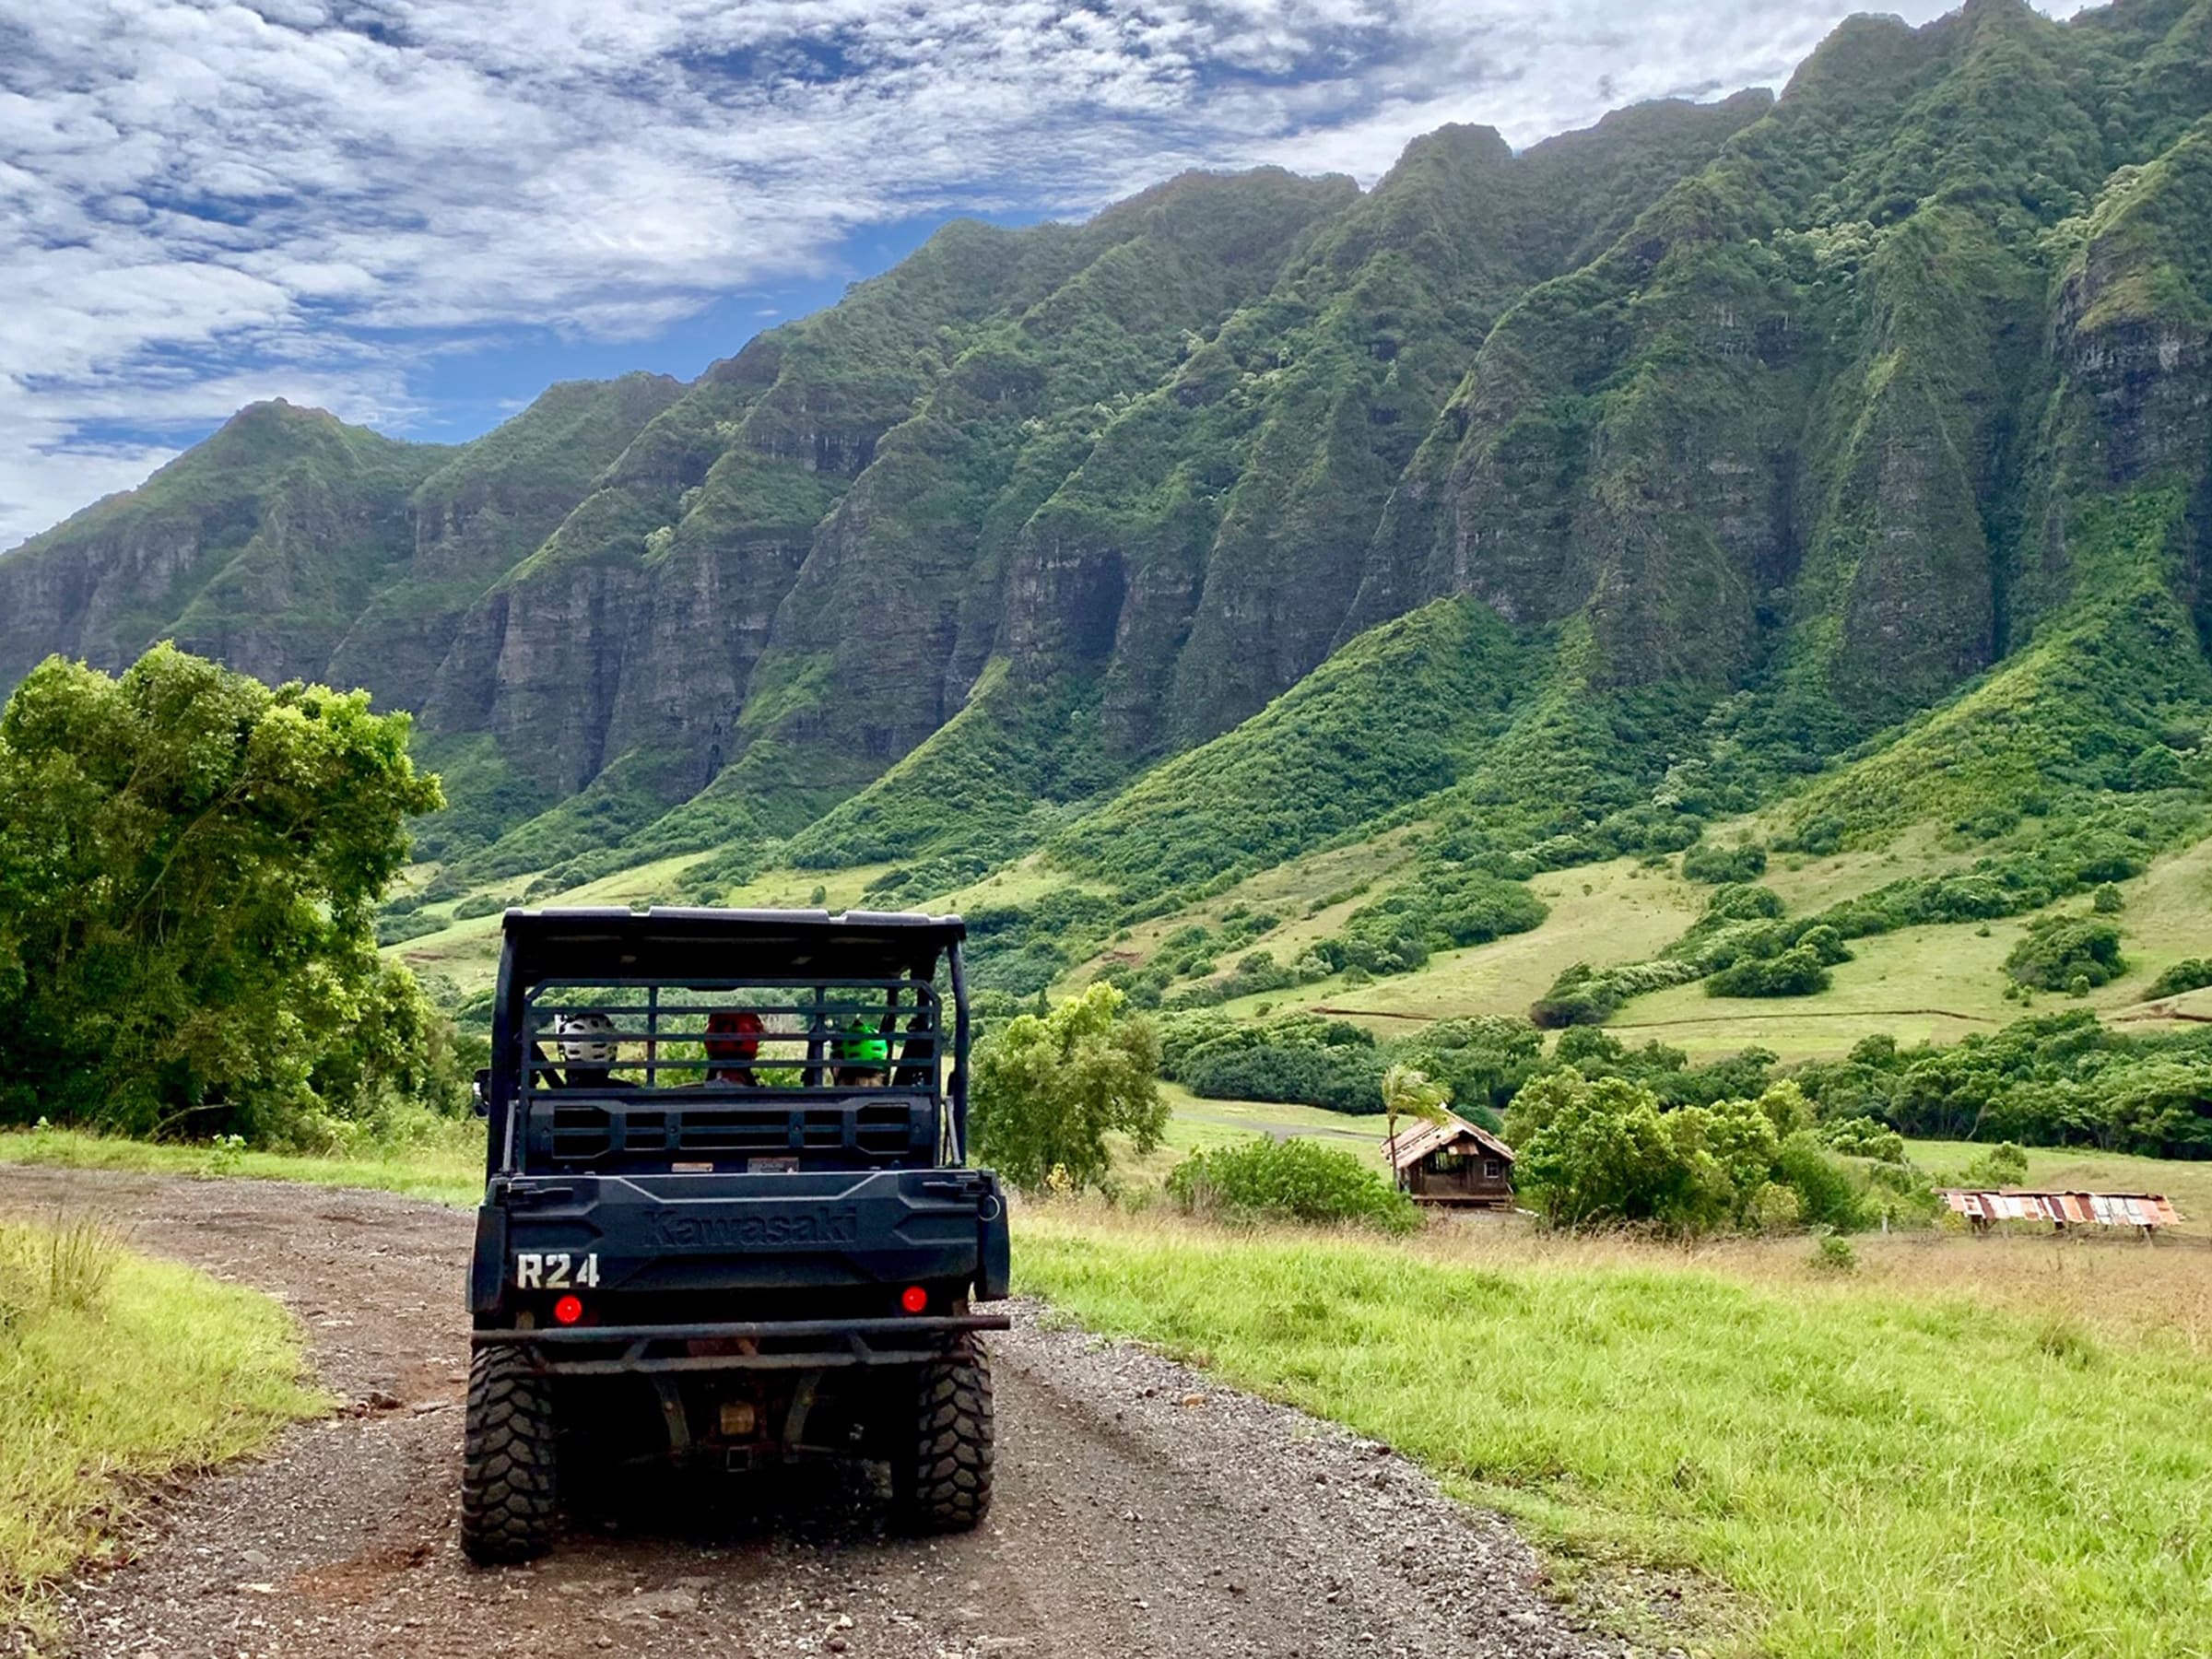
(1141,1510)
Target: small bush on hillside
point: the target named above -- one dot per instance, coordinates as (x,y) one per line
(2058,951)
(1742,901)
(446,884)
(1712,865)
(1587,997)
(1825,1190)
(2191,973)
(1795,972)
(1863,1137)
(1827,944)
(1834,1254)
(1444,910)
(2004,1165)
(1289,1181)
(478,904)
(398,930)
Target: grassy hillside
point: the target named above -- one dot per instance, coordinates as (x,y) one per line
(1991,1449)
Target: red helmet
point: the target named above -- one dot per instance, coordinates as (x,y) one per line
(733,1035)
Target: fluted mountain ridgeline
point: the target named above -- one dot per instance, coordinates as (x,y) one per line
(1656,469)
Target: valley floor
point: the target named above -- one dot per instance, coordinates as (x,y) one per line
(1959,1445)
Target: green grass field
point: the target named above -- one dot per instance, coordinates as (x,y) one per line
(1919,1461)
(214,1371)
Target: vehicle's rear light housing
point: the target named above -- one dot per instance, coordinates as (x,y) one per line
(914,1298)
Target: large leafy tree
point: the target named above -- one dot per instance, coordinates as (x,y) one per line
(1051,1088)
(189,862)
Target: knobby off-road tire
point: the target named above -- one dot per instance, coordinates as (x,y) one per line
(507,1460)
(941,1478)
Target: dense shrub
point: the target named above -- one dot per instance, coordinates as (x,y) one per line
(1863,1137)
(398,930)
(1441,910)
(1586,996)
(1741,901)
(190,864)
(2004,1165)
(1338,1079)
(478,904)
(1715,865)
(2191,973)
(1293,1180)
(1795,972)
(1483,1061)
(1602,1150)
(2058,1079)
(1826,1195)
(1298,1059)
(2060,951)
(1050,1089)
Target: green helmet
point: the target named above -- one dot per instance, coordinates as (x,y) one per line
(864,1048)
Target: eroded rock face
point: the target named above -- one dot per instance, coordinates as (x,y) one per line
(73,603)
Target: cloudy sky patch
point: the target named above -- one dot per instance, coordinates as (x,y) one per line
(411,212)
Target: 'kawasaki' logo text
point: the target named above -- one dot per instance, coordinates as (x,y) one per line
(752,1233)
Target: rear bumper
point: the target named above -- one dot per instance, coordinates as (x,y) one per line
(748,1344)
(687,1235)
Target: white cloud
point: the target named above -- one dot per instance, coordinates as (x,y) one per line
(203,202)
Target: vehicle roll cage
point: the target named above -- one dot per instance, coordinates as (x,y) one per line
(831,973)
(903,1013)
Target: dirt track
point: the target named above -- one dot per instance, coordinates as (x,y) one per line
(1140,1511)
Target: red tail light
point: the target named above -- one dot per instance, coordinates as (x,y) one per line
(913,1299)
(568,1310)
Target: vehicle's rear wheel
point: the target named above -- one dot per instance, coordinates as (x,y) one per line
(941,1475)
(507,1461)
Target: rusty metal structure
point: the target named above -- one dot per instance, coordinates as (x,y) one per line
(2145,1211)
(1454,1162)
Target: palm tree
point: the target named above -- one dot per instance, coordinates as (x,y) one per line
(1408,1091)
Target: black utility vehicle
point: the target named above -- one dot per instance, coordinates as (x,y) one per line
(726,1219)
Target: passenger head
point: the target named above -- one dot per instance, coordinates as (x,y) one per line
(586,1043)
(862,1057)
(733,1043)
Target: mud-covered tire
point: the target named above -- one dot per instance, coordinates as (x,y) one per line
(941,1475)
(507,1461)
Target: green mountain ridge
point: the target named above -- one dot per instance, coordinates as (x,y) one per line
(1850,449)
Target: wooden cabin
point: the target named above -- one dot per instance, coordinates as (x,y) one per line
(1452,1162)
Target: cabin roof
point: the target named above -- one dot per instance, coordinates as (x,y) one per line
(1410,1146)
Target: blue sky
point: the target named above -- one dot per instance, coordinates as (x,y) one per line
(419,213)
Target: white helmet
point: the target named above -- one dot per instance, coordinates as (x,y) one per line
(586,1038)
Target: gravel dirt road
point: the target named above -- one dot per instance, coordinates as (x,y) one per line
(1141,1510)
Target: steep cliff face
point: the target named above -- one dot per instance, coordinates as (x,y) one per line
(292,546)
(480,513)
(251,546)
(1760,425)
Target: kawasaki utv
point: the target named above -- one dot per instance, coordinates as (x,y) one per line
(726,1219)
